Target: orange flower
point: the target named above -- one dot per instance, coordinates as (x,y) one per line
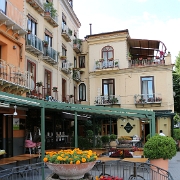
(71,162)
(77,162)
(83,160)
(45,159)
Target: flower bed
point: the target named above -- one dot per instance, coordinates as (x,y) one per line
(120,154)
(108,178)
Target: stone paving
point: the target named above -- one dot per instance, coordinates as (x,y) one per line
(174,166)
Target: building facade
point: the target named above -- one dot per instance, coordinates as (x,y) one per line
(131,74)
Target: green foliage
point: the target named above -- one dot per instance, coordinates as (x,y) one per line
(105,139)
(147,137)
(176,119)
(113,137)
(49,8)
(176,89)
(176,134)
(160,147)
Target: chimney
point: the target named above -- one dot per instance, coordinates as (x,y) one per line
(90,29)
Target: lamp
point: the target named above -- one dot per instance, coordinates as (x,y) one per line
(134,125)
(15,113)
(165,124)
(122,125)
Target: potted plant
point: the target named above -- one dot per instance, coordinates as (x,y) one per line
(49,9)
(159,149)
(105,140)
(113,142)
(54,89)
(63,57)
(45,43)
(116,64)
(39,84)
(80,161)
(101,60)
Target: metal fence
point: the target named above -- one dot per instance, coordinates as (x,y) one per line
(120,169)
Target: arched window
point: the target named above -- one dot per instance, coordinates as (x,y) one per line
(107,53)
(82,92)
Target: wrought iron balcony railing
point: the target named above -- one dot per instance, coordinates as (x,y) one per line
(77,45)
(148,98)
(13,78)
(50,55)
(66,67)
(34,44)
(66,33)
(76,75)
(51,16)
(145,62)
(104,64)
(107,100)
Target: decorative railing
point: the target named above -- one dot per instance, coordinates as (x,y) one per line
(77,45)
(103,64)
(66,30)
(145,62)
(50,55)
(147,98)
(35,43)
(10,74)
(66,67)
(107,100)
(76,75)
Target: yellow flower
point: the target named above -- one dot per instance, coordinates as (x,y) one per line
(83,160)
(45,159)
(77,162)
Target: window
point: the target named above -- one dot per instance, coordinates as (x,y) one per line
(63,22)
(108,87)
(147,87)
(81,61)
(3,6)
(32,25)
(64,50)
(75,62)
(47,83)
(82,92)
(48,38)
(107,53)
(31,67)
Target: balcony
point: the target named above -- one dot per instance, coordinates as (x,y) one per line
(66,67)
(108,64)
(66,33)
(13,19)
(50,55)
(13,79)
(140,62)
(34,44)
(107,100)
(37,5)
(143,100)
(77,45)
(76,75)
(50,14)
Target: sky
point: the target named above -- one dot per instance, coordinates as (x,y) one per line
(145,19)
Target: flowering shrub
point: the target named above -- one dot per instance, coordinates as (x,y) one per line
(119,153)
(69,156)
(108,178)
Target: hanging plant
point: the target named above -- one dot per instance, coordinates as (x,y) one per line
(39,84)
(54,89)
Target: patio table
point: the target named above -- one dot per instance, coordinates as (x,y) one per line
(135,161)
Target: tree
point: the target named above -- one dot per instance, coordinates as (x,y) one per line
(176,84)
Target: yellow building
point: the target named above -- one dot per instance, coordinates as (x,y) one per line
(132,74)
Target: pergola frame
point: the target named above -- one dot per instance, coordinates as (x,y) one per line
(75,108)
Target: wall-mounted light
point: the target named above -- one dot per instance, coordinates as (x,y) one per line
(122,125)
(165,124)
(14,47)
(134,125)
